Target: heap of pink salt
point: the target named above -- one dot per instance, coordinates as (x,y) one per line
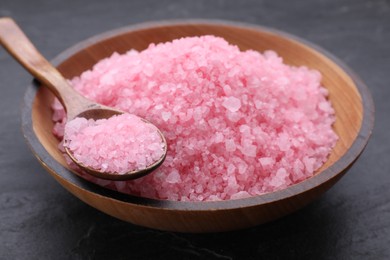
(238,124)
(116,145)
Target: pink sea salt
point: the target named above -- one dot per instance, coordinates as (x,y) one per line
(237,123)
(116,145)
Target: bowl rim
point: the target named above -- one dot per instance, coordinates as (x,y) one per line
(332,171)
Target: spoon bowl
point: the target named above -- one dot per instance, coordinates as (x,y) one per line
(19,46)
(102,112)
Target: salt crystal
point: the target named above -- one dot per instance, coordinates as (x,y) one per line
(283,142)
(232,104)
(173,177)
(218,137)
(242,167)
(148,69)
(245,129)
(265,161)
(199,188)
(279,179)
(309,164)
(230,145)
(249,150)
(227,90)
(231,168)
(166,116)
(324,106)
(240,195)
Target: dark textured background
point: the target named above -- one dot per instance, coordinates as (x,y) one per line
(40,220)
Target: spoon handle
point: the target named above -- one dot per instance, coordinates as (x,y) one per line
(20,47)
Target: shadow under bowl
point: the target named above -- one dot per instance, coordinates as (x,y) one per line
(350,98)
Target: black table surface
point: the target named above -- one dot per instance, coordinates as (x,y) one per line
(41,220)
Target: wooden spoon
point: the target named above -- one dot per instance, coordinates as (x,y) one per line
(19,46)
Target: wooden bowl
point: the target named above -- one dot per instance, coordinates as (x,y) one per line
(349,96)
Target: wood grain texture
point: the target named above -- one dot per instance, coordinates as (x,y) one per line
(349,96)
